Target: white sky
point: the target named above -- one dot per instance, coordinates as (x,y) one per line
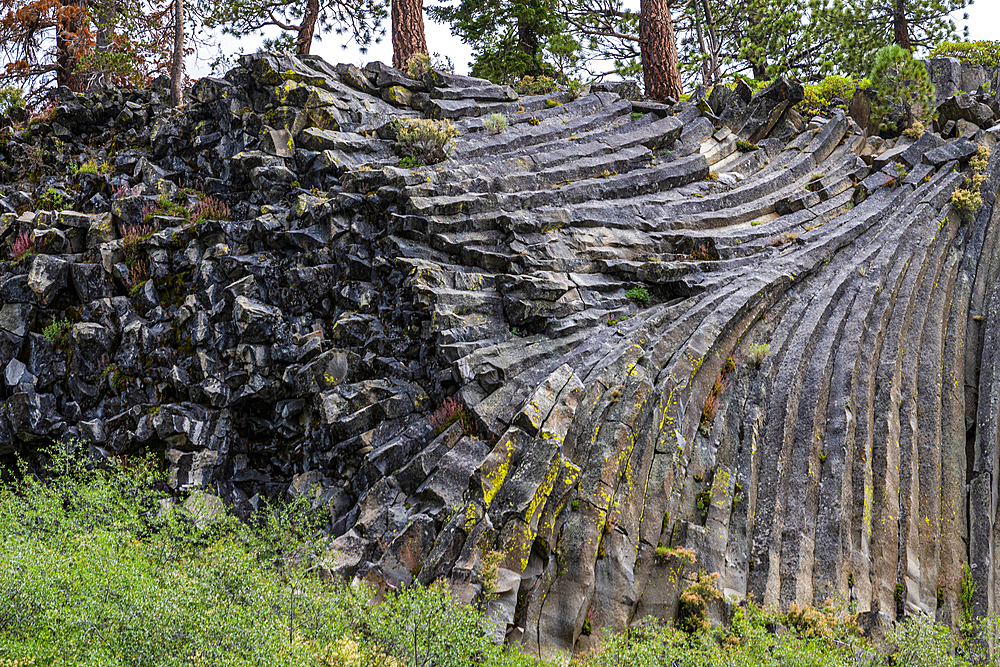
(984,23)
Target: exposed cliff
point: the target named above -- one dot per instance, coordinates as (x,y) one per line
(310,340)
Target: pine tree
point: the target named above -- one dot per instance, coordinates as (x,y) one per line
(511,39)
(301,21)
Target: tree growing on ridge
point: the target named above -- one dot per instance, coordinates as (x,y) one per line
(301,21)
(511,39)
(659,50)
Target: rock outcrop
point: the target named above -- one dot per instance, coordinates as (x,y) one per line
(784,359)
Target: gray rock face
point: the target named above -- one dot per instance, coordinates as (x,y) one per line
(47,277)
(603,330)
(946,75)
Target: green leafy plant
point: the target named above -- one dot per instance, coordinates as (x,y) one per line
(552,104)
(11,98)
(746,146)
(97,560)
(536,85)
(692,616)
(57,332)
(966,595)
(664,554)
(982,52)
(897,78)
(821,95)
(638,294)
(636,115)
(52,200)
(93,167)
(425,141)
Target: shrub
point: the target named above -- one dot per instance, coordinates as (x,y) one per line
(100,567)
(57,331)
(915,131)
(968,198)
(452,411)
(692,614)
(983,52)
(536,85)
(418,65)
(898,79)
(818,96)
(11,98)
(425,141)
(93,167)
(208,208)
(495,123)
(757,353)
(746,146)
(664,554)
(639,294)
(23,246)
(52,200)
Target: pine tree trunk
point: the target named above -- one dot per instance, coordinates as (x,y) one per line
(69,47)
(303,42)
(901,34)
(407,31)
(177,66)
(659,50)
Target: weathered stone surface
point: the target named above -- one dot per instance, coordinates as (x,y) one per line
(48,275)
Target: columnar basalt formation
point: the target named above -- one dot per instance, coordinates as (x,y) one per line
(304,346)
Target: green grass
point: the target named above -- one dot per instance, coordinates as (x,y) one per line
(99,566)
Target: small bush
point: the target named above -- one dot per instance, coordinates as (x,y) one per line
(418,65)
(664,554)
(11,98)
(495,123)
(746,146)
(968,198)
(94,168)
(536,85)
(692,615)
(57,331)
(208,208)
(757,353)
(915,131)
(552,104)
(639,294)
(819,96)
(425,141)
(452,411)
(52,200)
(23,246)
